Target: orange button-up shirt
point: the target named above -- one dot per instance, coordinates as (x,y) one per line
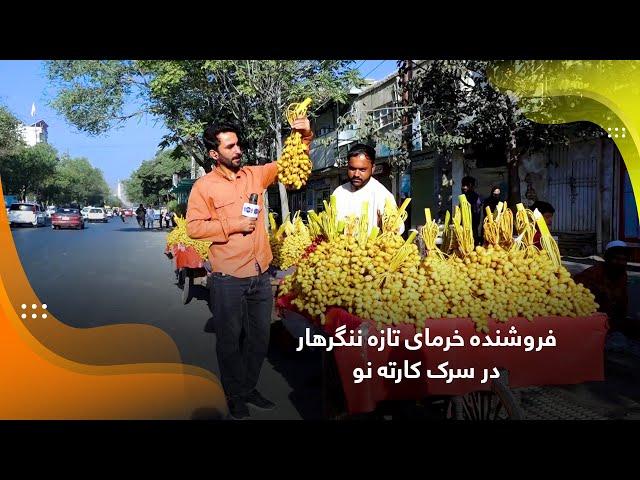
(215,203)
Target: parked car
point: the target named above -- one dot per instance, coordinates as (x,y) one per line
(85,212)
(26,214)
(109,212)
(67,218)
(96,214)
(128,212)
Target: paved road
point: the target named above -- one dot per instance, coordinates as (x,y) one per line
(117,273)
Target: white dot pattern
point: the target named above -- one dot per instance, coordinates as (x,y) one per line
(33,307)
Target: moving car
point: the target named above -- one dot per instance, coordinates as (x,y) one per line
(23,213)
(67,218)
(96,214)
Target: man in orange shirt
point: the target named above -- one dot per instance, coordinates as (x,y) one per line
(240,256)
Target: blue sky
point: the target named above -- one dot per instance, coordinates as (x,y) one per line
(120,151)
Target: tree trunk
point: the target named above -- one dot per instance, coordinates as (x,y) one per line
(201,159)
(444,191)
(513,165)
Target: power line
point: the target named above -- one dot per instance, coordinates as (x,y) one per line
(375,68)
(361,63)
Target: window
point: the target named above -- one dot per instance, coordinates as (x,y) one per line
(383,116)
(324,130)
(21,207)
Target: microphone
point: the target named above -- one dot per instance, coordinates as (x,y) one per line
(251,209)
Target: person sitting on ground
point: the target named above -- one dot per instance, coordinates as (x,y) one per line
(608,282)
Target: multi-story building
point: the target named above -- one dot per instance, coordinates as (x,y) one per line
(34,133)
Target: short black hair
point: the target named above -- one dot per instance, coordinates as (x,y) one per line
(469,181)
(543,207)
(210,135)
(362,149)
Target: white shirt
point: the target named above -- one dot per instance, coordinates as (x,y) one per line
(349,202)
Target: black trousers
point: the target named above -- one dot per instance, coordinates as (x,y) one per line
(241,310)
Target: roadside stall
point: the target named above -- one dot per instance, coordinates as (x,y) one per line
(361,285)
(190,259)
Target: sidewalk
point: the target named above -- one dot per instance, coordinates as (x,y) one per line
(615,398)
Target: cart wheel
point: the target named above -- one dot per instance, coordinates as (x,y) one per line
(180,275)
(187,288)
(497,404)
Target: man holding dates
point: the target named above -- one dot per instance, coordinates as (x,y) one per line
(221,210)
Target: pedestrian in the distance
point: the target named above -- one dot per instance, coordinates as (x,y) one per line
(141,213)
(150,217)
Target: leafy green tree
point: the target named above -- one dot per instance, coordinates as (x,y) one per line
(187,95)
(10,139)
(151,182)
(77,181)
(461,109)
(29,170)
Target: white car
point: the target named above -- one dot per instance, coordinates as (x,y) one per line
(97,214)
(109,213)
(26,214)
(85,212)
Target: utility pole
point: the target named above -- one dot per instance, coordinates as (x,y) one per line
(407,130)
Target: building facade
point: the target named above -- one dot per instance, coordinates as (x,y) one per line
(35,133)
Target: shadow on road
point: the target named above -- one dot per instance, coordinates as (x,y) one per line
(302,371)
(200,293)
(209,327)
(207,414)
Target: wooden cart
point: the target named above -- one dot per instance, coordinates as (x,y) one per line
(190,269)
(579,358)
